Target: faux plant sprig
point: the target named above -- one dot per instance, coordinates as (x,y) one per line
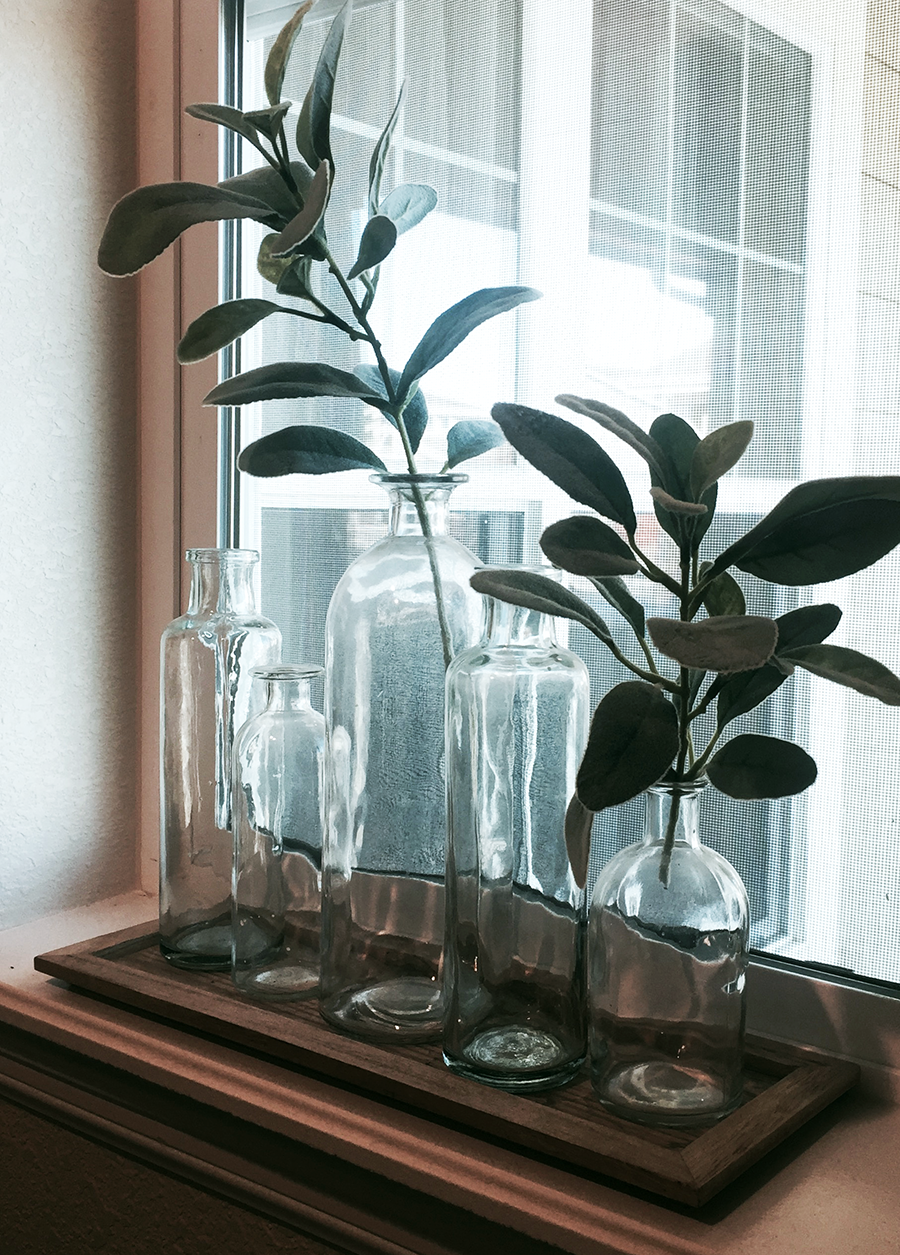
(644,730)
(289,194)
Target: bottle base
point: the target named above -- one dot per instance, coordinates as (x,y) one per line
(202,947)
(664,1092)
(408,1010)
(515,1057)
(279,983)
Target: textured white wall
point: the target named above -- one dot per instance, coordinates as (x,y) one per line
(67,460)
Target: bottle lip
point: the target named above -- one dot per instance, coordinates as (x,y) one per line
(435,480)
(235,556)
(287,671)
(684,788)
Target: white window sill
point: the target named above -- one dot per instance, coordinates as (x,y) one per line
(830,1190)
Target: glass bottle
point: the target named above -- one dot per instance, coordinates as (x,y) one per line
(278,820)
(386,640)
(518,709)
(668,957)
(207,656)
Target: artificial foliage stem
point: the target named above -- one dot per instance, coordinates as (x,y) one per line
(652,571)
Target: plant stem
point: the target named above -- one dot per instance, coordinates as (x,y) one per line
(653,572)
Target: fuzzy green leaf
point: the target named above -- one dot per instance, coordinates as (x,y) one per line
(408,204)
(585,546)
(379,155)
(538,592)
(147,220)
(677,441)
(822,530)
(377,242)
(268,121)
(570,459)
(633,739)
(751,767)
(415,413)
(669,503)
(725,596)
(284,381)
(302,226)
(266,185)
(716,454)
(620,425)
(470,438)
(222,325)
(726,643)
(848,667)
(314,123)
(224,115)
(616,592)
(280,53)
(306,450)
(450,328)
(579,821)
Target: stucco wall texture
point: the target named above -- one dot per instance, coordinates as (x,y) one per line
(67,466)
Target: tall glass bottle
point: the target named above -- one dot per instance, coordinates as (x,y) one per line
(668,956)
(387,637)
(517,724)
(278,819)
(207,656)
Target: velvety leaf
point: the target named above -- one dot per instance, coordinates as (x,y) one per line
(314,123)
(620,425)
(301,227)
(807,625)
(677,442)
(538,592)
(379,155)
(633,740)
(450,328)
(585,546)
(751,767)
(224,115)
(415,414)
(725,596)
(280,53)
(726,643)
(662,498)
(296,279)
(570,459)
(717,453)
(283,381)
(408,204)
(222,325)
(578,839)
(306,450)
(265,184)
(822,530)
(148,220)
(848,667)
(616,592)
(378,239)
(470,438)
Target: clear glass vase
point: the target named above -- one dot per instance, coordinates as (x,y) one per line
(207,656)
(667,945)
(518,710)
(387,637)
(278,806)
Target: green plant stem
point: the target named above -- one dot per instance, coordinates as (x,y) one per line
(683,705)
(653,572)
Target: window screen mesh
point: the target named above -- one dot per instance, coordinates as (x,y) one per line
(709,198)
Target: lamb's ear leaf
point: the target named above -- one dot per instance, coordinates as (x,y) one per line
(379,155)
(469,438)
(377,242)
(726,643)
(716,454)
(633,740)
(725,596)
(224,115)
(678,440)
(848,667)
(222,325)
(268,121)
(266,185)
(280,53)
(578,839)
(450,328)
(820,531)
(583,545)
(285,381)
(569,458)
(415,413)
(538,592)
(615,591)
(314,123)
(750,767)
(303,224)
(408,204)
(149,219)
(620,425)
(306,450)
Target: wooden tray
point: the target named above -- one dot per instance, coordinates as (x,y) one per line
(784,1087)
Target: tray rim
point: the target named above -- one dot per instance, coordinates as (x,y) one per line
(808,1080)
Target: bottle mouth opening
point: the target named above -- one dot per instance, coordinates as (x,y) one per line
(423,480)
(233,556)
(288,671)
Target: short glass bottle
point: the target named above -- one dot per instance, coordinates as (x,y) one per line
(518,711)
(387,636)
(667,943)
(278,821)
(207,656)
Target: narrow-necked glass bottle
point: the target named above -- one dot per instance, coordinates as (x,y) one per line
(207,656)
(668,955)
(517,724)
(278,820)
(387,637)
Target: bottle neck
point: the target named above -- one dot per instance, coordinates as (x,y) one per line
(509,625)
(287,686)
(433,493)
(685,801)
(222,582)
